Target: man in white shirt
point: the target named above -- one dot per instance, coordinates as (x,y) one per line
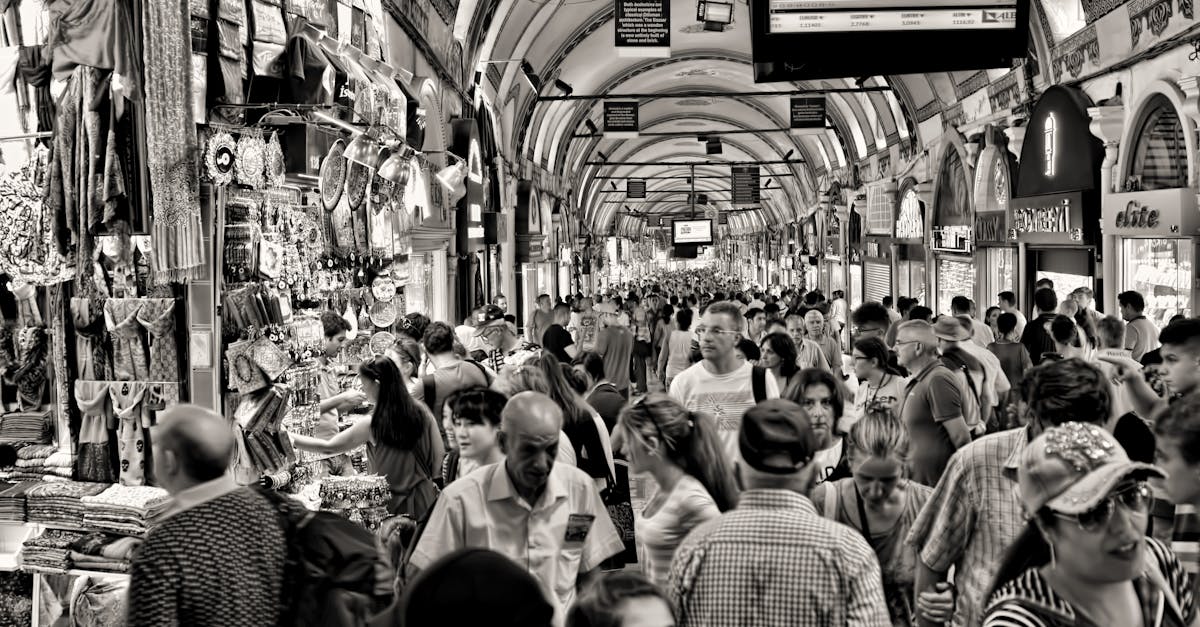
(721,384)
(1008,304)
(981,333)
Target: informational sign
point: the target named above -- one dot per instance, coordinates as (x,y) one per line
(621,119)
(745,184)
(808,115)
(723,218)
(635,188)
(827,16)
(691,232)
(643,28)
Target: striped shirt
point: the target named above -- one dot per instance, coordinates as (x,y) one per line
(775,561)
(972,517)
(1185,540)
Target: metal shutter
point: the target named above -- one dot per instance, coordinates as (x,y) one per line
(877,281)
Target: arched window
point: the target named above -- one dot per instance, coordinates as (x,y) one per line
(1159,157)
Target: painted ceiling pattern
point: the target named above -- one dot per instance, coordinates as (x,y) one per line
(869,134)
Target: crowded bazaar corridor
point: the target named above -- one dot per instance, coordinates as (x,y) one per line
(599,313)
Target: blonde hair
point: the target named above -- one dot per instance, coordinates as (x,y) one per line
(879,433)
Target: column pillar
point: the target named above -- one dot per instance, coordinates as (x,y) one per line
(1108,124)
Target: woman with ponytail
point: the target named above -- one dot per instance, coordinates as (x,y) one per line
(879,502)
(683,453)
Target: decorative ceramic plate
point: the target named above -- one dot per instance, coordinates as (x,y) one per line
(358,180)
(383,314)
(251,161)
(276,167)
(333,175)
(384,290)
(382,341)
(219,158)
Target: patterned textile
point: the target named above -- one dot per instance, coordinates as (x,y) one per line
(58,503)
(131,437)
(130,510)
(185,570)
(102,602)
(129,350)
(972,517)
(157,315)
(92,349)
(94,463)
(176,248)
(30,376)
(773,560)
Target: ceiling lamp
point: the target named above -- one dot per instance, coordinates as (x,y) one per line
(535,82)
(397,168)
(453,178)
(564,87)
(591,126)
(364,150)
(713,147)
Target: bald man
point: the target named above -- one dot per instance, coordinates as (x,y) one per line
(545,516)
(218,559)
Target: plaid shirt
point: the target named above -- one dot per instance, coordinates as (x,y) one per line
(775,561)
(971,518)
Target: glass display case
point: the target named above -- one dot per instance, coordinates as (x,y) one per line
(910,280)
(1160,270)
(955,277)
(997,273)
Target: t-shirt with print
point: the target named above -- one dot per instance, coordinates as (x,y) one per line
(725,397)
(932,397)
(889,393)
(515,357)
(587,326)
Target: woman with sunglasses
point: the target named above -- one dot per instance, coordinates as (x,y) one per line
(1084,558)
(475,423)
(683,453)
(402,439)
(879,382)
(879,501)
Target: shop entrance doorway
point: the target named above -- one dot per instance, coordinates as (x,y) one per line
(1068,268)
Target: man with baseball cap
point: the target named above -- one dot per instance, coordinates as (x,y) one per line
(774,559)
(499,335)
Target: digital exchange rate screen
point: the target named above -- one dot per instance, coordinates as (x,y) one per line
(831,16)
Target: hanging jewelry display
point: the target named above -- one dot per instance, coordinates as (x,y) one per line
(251,160)
(333,175)
(276,167)
(219,158)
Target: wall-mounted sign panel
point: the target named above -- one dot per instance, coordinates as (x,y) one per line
(643,28)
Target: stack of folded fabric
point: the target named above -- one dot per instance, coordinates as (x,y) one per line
(103,552)
(127,509)
(58,502)
(31,462)
(51,550)
(59,465)
(12,500)
(25,427)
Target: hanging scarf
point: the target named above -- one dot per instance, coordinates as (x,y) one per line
(177,251)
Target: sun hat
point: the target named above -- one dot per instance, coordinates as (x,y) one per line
(949,328)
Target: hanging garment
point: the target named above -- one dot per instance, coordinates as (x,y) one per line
(97,33)
(171,141)
(33,65)
(157,315)
(127,399)
(129,350)
(30,376)
(93,351)
(93,460)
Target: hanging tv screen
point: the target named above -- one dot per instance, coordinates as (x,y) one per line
(691,232)
(812,39)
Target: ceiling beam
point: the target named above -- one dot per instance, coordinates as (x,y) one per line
(685,177)
(754,131)
(674,164)
(715,94)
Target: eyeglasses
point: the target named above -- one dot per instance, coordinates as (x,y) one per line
(1135,497)
(903,342)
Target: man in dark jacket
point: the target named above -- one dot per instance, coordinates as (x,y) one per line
(1037,339)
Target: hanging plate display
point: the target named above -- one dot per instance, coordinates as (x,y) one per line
(383,314)
(358,179)
(251,160)
(276,168)
(333,175)
(220,157)
(382,341)
(384,289)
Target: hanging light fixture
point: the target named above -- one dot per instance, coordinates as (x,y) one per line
(453,178)
(364,150)
(397,168)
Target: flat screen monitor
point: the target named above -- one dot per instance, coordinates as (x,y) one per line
(811,39)
(719,12)
(692,232)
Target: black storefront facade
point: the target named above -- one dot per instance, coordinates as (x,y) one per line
(1055,214)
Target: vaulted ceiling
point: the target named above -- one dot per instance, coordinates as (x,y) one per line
(572,41)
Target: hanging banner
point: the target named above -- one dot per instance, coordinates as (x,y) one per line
(807,115)
(746,185)
(621,119)
(643,28)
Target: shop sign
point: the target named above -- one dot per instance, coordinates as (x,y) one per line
(910,224)
(1060,154)
(990,228)
(807,114)
(954,238)
(1162,212)
(873,249)
(1055,218)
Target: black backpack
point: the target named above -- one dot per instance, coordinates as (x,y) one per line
(758,381)
(336,572)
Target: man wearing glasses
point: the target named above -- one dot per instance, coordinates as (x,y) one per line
(721,384)
(507,348)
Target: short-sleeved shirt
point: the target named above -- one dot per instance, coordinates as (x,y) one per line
(1141,337)
(725,397)
(890,392)
(932,397)
(972,517)
(587,326)
(556,340)
(567,532)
